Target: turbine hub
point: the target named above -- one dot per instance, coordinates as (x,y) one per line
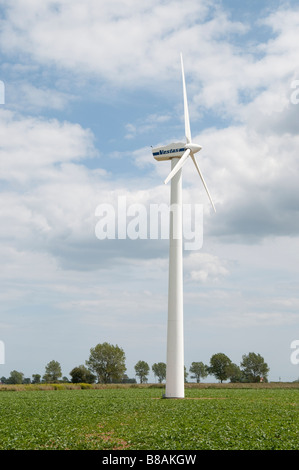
(193,147)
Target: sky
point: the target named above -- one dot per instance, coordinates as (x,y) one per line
(87,89)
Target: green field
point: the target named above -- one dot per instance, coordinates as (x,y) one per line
(139,419)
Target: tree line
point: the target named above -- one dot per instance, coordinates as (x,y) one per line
(106,364)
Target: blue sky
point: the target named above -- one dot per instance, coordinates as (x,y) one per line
(89,88)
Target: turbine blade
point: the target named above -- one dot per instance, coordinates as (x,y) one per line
(202,179)
(186,111)
(179,165)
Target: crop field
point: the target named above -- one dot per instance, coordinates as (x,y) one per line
(137,418)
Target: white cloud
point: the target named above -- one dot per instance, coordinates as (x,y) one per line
(124,42)
(26,96)
(250,319)
(204,267)
(50,200)
(145,125)
(244,167)
(31,145)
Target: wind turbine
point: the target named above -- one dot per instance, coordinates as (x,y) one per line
(178,153)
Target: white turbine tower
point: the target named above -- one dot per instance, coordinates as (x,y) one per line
(178,153)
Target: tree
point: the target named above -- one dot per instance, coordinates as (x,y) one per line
(234,373)
(218,366)
(254,367)
(127,380)
(142,370)
(81,374)
(52,372)
(199,370)
(36,378)
(159,369)
(108,362)
(15,377)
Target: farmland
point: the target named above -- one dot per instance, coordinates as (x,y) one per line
(122,418)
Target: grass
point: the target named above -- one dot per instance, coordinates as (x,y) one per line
(219,417)
(202,385)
